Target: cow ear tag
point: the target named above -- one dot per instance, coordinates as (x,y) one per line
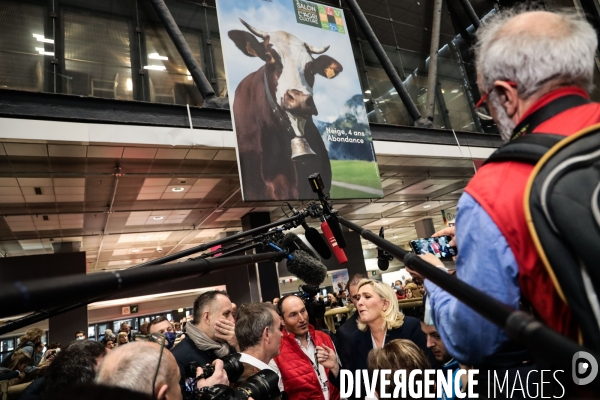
(329,72)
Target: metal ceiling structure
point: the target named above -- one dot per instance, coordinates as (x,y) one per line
(127,205)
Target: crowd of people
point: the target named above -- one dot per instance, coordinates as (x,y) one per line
(525,61)
(276,337)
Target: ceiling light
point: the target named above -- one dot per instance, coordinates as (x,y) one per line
(41,38)
(43,52)
(157,218)
(386,221)
(367,91)
(180,310)
(155,67)
(135,250)
(366,100)
(127,262)
(427,206)
(144,236)
(129,84)
(178,189)
(443,91)
(454,91)
(156,56)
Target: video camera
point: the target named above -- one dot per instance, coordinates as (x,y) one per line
(261,386)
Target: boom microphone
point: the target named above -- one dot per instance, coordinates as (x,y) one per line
(316,241)
(339,253)
(292,242)
(307,268)
(383,257)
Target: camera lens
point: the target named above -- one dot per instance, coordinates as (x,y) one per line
(261,386)
(231,365)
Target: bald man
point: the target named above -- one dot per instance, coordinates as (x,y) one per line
(534,70)
(133,367)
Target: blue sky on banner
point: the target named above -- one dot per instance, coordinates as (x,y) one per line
(329,94)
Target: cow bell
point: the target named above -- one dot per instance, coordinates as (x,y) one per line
(301,148)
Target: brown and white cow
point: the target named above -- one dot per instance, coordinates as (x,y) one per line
(274,105)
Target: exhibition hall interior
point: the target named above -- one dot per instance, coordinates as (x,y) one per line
(110,157)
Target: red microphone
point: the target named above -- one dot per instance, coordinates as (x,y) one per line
(337,251)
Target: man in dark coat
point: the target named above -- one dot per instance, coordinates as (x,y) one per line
(347,329)
(209,337)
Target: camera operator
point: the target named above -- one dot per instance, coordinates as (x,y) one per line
(210,336)
(258,330)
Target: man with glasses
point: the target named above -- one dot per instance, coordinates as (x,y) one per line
(308,362)
(534,70)
(143,367)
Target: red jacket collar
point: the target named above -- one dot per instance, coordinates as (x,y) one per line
(551,96)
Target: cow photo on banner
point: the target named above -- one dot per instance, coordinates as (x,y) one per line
(297,104)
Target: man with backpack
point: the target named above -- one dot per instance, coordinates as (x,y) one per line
(534,70)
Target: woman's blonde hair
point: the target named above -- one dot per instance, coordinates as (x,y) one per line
(30,336)
(399,354)
(119,336)
(392,317)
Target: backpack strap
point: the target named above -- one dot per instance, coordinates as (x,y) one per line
(555,107)
(527,149)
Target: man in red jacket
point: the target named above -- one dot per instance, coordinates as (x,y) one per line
(307,359)
(534,70)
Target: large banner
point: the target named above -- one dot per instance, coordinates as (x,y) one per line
(297,104)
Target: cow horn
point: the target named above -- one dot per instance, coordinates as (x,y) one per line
(316,50)
(256,32)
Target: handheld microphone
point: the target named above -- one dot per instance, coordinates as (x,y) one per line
(307,268)
(316,241)
(314,237)
(316,184)
(383,257)
(337,251)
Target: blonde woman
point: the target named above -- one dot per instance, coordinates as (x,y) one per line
(380,321)
(122,338)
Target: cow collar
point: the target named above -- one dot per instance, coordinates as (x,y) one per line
(283,118)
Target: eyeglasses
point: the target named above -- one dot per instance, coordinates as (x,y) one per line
(487,94)
(158,338)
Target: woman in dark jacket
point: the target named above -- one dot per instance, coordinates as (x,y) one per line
(380,321)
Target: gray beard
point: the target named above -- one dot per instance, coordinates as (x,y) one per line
(505,124)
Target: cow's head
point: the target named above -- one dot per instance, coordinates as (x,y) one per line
(290,68)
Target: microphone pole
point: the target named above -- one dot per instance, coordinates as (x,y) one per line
(520,326)
(45,313)
(31,295)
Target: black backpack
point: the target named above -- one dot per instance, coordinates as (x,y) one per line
(562,209)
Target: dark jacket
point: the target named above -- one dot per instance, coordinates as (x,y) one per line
(362,343)
(185,353)
(344,337)
(35,390)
